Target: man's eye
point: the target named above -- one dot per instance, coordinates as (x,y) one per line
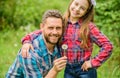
(50,28)
(58,28)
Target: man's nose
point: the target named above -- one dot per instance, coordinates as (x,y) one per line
(54,31)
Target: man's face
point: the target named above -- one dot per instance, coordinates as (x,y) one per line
(52,30)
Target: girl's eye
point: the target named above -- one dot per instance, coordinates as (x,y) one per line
(82,8)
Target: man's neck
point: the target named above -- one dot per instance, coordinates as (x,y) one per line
(49,46)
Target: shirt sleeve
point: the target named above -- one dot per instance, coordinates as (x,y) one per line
(15,70)
(24,68)
(30,66)
(103,42)
(29,37)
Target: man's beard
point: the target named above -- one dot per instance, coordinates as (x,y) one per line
(48,40)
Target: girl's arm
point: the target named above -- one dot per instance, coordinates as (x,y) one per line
(27,40)
(103,42)
(29,37)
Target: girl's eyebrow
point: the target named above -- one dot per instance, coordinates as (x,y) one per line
(78,3)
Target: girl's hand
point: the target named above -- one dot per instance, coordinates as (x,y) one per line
(86,65)
(25,49)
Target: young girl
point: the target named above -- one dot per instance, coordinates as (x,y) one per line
(79,36)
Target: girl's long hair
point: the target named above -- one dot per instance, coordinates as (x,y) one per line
(84,28)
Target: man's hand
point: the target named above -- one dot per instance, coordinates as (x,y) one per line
(25,49)
(60,63)
(86,65)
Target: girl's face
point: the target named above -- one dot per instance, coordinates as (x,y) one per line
(78,8)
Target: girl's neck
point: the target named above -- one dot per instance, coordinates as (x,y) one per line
(74,20)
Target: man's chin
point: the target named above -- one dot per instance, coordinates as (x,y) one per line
(53,42)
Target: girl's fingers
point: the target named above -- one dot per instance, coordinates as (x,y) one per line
(32,48)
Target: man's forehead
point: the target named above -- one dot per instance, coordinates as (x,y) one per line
(53,20)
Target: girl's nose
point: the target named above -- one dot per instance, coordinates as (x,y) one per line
(77,8)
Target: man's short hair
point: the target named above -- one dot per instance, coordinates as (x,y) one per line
(52,13)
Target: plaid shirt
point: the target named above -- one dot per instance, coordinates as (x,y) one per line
(77,54)
(35,66)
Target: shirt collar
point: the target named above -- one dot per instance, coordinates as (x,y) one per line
(78,22)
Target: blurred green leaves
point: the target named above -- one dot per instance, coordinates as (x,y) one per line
(108,19)
(17,13)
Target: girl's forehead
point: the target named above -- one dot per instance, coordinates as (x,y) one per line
(81,2)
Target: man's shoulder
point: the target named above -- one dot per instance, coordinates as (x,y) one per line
(39,45)
(36,41)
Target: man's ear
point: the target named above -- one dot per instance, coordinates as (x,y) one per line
(41,26)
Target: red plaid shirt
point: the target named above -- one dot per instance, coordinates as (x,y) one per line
(74,52)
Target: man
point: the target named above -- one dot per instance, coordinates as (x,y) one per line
(45,61)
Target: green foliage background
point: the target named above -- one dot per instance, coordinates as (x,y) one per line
(19,17)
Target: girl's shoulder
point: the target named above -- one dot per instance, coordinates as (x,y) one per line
(92,25)
(93,28)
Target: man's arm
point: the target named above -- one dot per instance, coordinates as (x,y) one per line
(59,64)
(15,70)
(33,70)
(31,67)
(24,68)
